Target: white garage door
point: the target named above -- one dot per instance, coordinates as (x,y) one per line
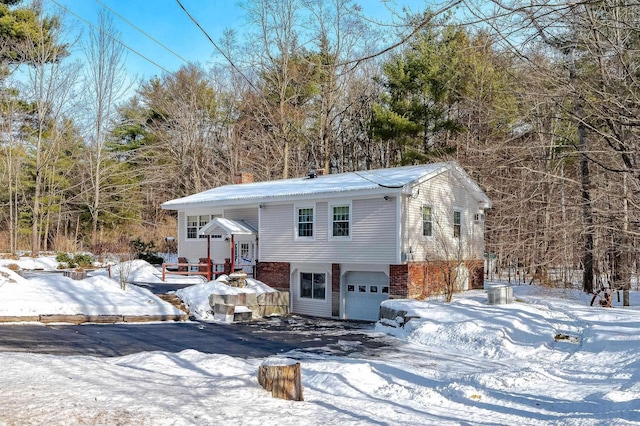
(364,293)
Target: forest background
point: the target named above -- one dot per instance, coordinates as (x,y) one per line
(537,101)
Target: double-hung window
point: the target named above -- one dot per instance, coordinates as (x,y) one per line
(196,222)
(341,221)
(304,222)
(313,285)
(427,221)
(457,223)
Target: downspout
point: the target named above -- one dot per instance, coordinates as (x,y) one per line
(233,255)
(208,257)
(399,224)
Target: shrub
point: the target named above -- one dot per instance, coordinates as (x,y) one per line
(80,259)
(145,251)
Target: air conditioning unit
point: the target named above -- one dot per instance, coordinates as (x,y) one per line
(478,217)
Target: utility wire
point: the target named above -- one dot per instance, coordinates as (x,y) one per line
(142,31)
(112,37)
(216,46)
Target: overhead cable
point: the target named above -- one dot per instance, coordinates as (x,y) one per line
(216,46)
(142,31)
(112,37)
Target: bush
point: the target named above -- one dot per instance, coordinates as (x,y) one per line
(145,251)
(82,260)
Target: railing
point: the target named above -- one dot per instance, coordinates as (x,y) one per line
(202,269)
(186,269)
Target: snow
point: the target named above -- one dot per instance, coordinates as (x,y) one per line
(548,358)
(391,178)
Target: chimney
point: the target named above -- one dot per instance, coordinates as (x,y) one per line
(242,177)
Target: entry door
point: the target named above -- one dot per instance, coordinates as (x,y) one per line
(244,253)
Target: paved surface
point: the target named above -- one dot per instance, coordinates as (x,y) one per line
(251,339)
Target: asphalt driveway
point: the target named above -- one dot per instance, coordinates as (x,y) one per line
(250,339)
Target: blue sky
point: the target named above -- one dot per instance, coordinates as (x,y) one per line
(165,21)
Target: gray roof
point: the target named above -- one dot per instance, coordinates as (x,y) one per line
(334,185)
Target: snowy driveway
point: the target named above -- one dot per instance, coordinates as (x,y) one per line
(252,339)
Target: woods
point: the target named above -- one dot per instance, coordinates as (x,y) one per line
(538,102)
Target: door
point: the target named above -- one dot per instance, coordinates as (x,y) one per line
(364,291)
(244,255)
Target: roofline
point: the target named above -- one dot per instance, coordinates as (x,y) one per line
(251,201)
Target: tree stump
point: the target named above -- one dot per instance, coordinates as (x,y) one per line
(282,377)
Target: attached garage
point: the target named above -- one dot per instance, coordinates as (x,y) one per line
(364,291)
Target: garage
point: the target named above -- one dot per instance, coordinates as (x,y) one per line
(364,291)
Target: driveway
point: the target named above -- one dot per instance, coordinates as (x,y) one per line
(251,339)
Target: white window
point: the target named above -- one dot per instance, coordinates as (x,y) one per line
(192,226)
(196,222)
(313,285)
(304,222)
(457,223)
(341,221)
(427,221)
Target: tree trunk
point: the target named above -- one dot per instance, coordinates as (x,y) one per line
(283,380)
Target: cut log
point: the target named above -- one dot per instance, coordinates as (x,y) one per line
(283,377)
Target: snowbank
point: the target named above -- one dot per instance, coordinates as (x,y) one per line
(54,294)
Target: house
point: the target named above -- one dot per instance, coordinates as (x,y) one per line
(343,243)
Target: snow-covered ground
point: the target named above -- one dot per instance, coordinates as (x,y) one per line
(546,359)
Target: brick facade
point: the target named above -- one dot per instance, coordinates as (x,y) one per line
(398,279)
(274,274)
(418,280)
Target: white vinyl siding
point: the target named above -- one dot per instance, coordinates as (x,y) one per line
(317,307)
(195,248)
(373,234)
(444,194)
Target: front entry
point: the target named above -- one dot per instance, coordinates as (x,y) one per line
(245,254)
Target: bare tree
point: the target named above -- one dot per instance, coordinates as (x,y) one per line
(49,87)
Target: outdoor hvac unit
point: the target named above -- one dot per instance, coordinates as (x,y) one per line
(500,295)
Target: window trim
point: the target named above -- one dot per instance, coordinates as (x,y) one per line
(430,207)
(198,226)
(459,225)
(296,223)
(313,274)
(330,221)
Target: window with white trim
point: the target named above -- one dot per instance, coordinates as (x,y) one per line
(457,223)
(313,285)
(196,222)
(427,221)
(304,222)
(341,221)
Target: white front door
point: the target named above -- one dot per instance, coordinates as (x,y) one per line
(244,254)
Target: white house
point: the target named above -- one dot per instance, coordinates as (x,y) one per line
(342,243)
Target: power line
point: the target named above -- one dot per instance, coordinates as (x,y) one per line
(216,46)
(142,31)
(112,37)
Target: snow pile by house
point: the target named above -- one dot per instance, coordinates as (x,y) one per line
(198,298)
(55,294)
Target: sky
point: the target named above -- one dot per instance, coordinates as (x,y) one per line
(547,358)
(166,22)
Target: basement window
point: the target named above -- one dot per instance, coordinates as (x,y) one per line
(313,285)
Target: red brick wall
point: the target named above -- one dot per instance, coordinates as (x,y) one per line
(398,278)
(335,277)
(274,274)
(418,280)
